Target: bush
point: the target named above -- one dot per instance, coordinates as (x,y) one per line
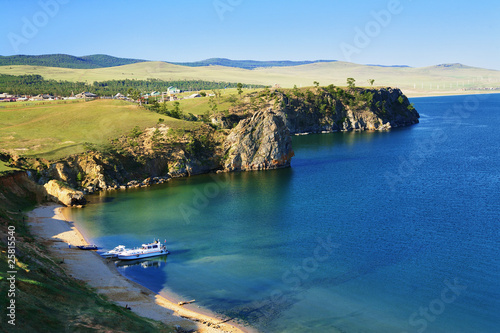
(135,132)
(79,177)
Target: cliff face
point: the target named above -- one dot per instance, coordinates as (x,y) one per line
(367,109)
(260,142)
(20,185)
(263,141)
(254,136)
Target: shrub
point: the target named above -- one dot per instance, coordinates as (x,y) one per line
(135,132)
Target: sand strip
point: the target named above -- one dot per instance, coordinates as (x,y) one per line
(51,227)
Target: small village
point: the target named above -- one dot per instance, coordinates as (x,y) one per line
(170,95)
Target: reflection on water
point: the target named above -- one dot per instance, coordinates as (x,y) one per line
(144,263)
(153,270)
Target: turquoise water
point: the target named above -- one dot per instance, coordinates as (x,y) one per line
(366,232)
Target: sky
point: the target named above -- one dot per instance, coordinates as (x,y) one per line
(386,32)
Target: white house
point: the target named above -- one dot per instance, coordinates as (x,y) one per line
(173,90)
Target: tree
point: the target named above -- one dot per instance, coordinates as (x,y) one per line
(316,83)
(217,93)
(371,81)
(135,95)
(350,82)
(239,86)
(176,112)
(212,104)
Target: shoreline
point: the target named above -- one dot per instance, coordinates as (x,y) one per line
(416,94)
(52,227)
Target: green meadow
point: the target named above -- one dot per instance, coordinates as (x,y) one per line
(56,130)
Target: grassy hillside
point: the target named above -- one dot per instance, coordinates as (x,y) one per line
(5,168)
(66,61)
(103,60)
(413,81)
(57,130)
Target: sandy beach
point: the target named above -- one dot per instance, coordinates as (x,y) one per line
(56,231)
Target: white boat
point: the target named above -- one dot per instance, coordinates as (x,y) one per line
(145,251)
(114,253)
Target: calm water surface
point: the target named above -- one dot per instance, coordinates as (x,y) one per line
(366,232)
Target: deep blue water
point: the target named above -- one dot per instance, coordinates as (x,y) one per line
(366,232)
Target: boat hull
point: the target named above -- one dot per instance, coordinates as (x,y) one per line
(87,247)
(135,256)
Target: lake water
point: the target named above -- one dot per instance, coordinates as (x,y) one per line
(366,232)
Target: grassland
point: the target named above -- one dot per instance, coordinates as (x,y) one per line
(56,130)
(424,80)
(199,106)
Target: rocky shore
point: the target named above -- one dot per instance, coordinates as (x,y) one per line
(256,135)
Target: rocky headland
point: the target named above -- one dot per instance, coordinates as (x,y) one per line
(255,134)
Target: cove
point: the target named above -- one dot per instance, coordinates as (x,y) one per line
(392,231)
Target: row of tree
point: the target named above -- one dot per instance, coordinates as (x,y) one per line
(36,84)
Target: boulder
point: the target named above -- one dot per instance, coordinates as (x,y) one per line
(62,193)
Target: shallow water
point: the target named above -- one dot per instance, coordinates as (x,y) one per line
(366,232)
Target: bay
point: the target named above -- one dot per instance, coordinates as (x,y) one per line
(395,231)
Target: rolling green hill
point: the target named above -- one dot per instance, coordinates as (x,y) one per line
(440,79)
(67,61)
(103,60)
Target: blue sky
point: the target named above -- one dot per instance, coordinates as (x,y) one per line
(389,32)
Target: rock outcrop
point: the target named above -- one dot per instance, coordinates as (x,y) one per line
(60,193)
(386,108)
(260,142)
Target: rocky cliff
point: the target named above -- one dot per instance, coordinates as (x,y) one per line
(263,141)
(332,110)
(254,135)
(260,142)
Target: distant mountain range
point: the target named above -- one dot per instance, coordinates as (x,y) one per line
(103,61)
(247,64)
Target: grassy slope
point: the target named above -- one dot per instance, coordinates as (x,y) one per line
(304,75)
(4,168)
(47,300)
(57,130)
(200,105)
